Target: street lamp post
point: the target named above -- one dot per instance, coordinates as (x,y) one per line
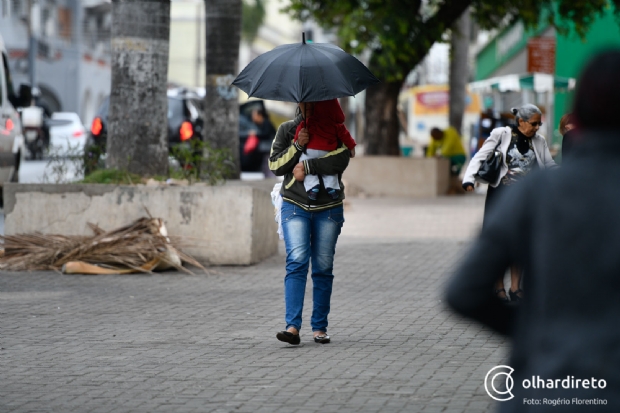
(32,46)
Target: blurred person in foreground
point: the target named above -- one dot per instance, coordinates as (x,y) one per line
(568,132)
(563,228)
(447,144)
(523,151)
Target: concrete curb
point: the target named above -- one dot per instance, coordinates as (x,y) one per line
(230,224)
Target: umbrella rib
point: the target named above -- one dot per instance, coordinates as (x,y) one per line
(321,83)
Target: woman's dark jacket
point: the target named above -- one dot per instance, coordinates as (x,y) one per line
(285,155)
(562,228)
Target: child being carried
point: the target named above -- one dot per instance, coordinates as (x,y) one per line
(325,124)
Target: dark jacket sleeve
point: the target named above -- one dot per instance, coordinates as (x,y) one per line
(284,153)
(334,163)
(499,245)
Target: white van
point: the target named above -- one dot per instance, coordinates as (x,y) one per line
(12,147)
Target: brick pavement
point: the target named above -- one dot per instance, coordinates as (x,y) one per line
(176,343)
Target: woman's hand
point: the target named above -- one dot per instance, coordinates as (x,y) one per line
(353,153)
(299,172)
(303,137)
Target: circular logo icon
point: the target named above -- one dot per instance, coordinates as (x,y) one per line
(502,376)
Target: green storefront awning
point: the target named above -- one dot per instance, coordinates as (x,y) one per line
(538,82)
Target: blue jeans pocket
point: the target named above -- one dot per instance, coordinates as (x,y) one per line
(288,212)
(336,215)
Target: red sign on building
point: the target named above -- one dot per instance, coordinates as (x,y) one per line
(541,55)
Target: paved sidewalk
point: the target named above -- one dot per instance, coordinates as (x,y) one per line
(176,343)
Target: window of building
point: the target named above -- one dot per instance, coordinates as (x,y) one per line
(16,7)
(64,23)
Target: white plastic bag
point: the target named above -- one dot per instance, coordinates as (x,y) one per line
(276,200)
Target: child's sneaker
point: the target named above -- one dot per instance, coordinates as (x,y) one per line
(313,193)
(333,193)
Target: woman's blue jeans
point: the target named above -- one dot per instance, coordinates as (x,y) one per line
(309,237)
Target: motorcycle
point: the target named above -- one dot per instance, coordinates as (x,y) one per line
(35,131)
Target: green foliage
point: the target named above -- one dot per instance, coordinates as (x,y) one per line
(399,33)
(253,16)
(64,166)
(564,15)
(112,176)
(199,161)
(194,161)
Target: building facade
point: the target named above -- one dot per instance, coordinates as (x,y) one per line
(516,56)
(72,49)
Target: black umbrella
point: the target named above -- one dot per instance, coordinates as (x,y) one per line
(304,72)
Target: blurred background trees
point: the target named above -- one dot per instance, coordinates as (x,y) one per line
(137,124)
(395,35)
(223,35)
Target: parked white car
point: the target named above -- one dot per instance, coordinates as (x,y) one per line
(67,134)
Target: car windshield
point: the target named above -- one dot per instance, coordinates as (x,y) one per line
(175,108)
(103,109)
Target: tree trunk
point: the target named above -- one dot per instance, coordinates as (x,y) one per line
(459,70)
(382,128)
(223,32)
(137,122)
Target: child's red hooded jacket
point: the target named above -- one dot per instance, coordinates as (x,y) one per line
(326,127)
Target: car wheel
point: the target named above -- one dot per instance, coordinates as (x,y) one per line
(15,175)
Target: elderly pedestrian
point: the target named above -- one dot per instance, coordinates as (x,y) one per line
(310,230)
(523,150)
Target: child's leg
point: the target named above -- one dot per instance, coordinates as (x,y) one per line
(331,181)
(311,182)
(332,186)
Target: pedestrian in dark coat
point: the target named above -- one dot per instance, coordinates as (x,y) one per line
(562,227)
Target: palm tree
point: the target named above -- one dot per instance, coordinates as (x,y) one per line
(223,34)
(137,123)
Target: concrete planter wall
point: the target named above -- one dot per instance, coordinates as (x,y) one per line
(222,225)
(394,176)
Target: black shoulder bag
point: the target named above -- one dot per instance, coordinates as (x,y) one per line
(490,167)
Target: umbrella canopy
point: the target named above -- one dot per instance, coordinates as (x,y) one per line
(304,72)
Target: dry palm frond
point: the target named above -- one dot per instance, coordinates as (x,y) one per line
(131,246)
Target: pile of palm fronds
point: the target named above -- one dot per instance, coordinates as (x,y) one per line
(141,246)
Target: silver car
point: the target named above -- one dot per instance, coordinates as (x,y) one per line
(12,147)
